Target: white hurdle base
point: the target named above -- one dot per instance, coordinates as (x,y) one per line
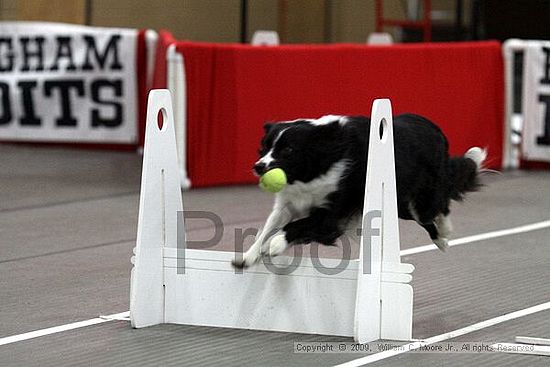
(198,287)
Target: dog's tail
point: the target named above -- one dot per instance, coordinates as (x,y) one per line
(464,172)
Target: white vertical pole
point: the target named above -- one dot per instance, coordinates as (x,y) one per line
(384,300)
(177,85)
(159,202)
(368,298)
(265,38)
(510,158)
(151,40)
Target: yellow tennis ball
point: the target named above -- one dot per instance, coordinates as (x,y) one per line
(273,180)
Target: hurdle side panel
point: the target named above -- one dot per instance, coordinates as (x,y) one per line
(384,299)
(396,311)
(367,309)
(160,201)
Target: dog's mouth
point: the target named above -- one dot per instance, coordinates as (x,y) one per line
(258,174)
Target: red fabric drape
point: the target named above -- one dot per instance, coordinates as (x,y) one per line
(233,89)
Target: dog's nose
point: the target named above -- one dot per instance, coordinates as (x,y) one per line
(260,168)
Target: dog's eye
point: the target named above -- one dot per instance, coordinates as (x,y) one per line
(287,151)
(262,151)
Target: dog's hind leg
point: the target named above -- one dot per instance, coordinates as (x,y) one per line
(438,226)
(444,229)
(320,226)
(444,225)
(441,242)
(277,245)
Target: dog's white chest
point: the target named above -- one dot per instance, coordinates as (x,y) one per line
(301,197)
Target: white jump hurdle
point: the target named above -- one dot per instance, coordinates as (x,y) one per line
(171,284)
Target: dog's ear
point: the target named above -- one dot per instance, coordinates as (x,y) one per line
(268,126)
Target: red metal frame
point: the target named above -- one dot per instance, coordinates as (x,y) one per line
(425,24)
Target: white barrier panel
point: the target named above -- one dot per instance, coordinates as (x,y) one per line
(527,134)
(380,38)
(265,38)
(367,298)
(536,101)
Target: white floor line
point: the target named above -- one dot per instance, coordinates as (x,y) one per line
(532,340)
(480,237)
(450,335)
(59,329)
(412,251)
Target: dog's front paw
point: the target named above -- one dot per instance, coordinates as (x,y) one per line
(277,245)
(247,259)
(442,243)
(238,263)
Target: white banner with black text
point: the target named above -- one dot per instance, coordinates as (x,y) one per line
(68,83)
(536,102)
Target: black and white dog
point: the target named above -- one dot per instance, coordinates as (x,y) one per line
(325,163)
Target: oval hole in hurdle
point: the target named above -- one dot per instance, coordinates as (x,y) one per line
(161,118)
(383,130)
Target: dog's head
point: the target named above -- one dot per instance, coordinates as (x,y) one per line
(304,149)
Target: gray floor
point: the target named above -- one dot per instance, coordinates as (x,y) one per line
(67,227)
